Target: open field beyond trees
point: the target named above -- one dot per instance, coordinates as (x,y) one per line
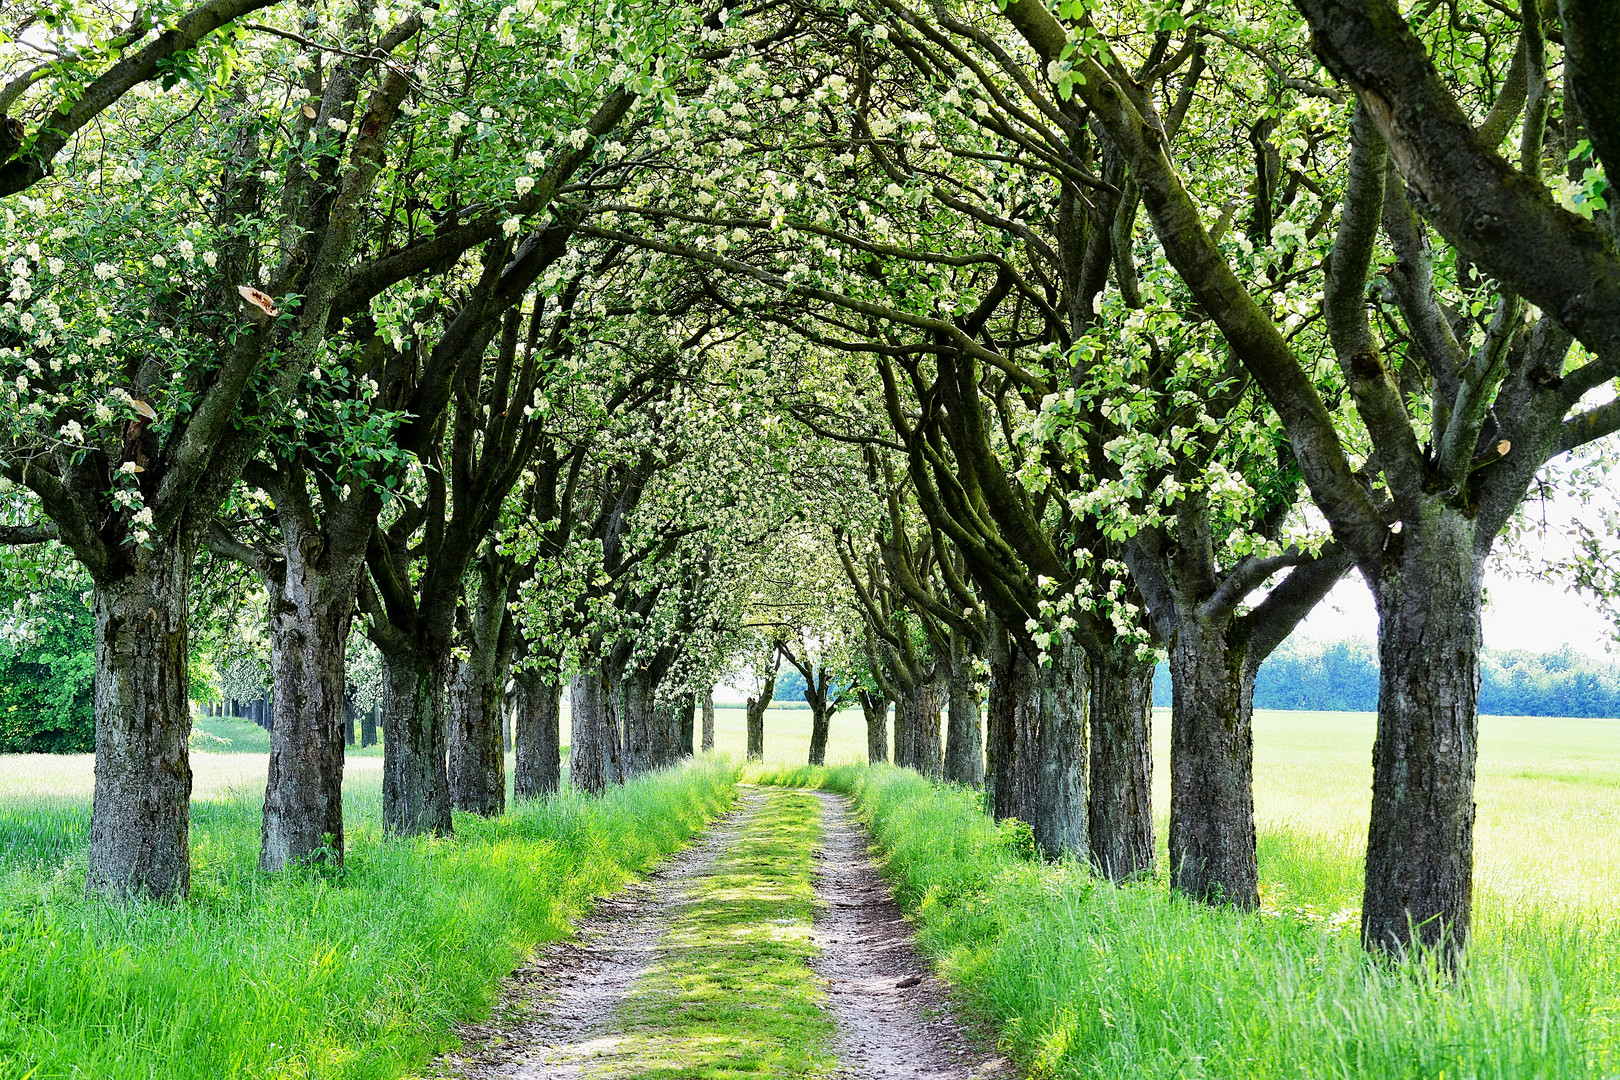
(364,973)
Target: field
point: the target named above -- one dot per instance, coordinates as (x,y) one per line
(1546,925)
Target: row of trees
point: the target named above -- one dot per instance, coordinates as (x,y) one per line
(572,341)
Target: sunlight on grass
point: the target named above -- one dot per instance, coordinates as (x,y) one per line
(1087,980)
(361,974)
(731,993)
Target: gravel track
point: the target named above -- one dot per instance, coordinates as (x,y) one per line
(558,1013)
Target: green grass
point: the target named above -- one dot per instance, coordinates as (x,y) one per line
(1088,980)
(361,975)
(731,994)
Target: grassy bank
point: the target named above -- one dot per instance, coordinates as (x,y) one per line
(1087,980)
(358,975)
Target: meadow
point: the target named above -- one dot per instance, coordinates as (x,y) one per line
(364,973)
(354,973)
(1087,980)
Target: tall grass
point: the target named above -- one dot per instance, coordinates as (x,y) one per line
(1088,980)
(361,974)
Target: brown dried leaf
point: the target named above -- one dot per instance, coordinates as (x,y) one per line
(1503,447)
(309,112)
(144,409)
(260,300)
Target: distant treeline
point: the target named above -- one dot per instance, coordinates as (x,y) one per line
(1343,676)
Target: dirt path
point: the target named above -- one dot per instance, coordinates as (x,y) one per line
(894,1017)
(560,1014)
(558,1011)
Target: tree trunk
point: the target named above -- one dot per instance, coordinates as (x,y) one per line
(368,727)
(904,744)
(688,714)
(310,610)
(921,739)
(818,731)
(537,771)
(141,816)
(708,722)
(876,708)
(1420,845)
(644,734)
(593,759)
(473,732)
(756,729)
(348,720)
(416,787)
(1121,782)
(964,741)
(1038,745)
(1212,845)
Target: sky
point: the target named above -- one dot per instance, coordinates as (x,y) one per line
(1520,614)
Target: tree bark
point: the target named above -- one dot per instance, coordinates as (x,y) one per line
(756,729)
(594,750)
(1038,745)
(904,745)
(708,722)
(368,727)
(921,738)
(141,816)
(1120,814)
(348,721)
(1212,843)
(473,715)
(644,727)
(755,711)
(1420,844)
(818,732)
(416,787)
(687,716)
(310,610)
(477,767)
(964,739)
(876,707)
(537,771)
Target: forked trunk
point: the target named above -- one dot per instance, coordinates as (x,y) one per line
(303,796)
(708,722)
(964,739)
(416,788)
(1212,844)
(1038,732)
(1121,781)
(477,765)
(593,756)
(537,735)
(1420,845)
(876,708)
(141,817)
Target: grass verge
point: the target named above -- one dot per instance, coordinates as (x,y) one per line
(361,975)
(732,994)
(1088,980)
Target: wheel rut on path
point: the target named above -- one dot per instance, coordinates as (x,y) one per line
(558,1011)
(559,1017)
(895,1018)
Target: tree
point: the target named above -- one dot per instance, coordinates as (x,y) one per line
(1490,416)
